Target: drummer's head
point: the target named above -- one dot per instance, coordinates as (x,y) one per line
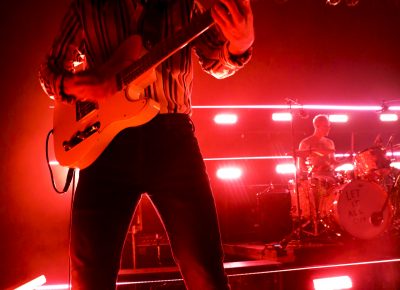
(322,125)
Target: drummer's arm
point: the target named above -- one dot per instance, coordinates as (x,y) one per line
(332,155)
(301,162)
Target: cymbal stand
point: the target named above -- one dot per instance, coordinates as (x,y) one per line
(297,229)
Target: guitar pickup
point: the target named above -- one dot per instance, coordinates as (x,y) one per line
(84,108)
(79,136)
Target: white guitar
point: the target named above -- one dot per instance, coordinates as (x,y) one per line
(83,129)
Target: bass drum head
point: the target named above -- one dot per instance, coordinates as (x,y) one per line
(355,206)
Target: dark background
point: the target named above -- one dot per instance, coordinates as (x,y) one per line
(305,50)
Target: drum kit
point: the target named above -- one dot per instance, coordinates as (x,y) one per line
(360,201)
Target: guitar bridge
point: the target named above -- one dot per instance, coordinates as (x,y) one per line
(81,136)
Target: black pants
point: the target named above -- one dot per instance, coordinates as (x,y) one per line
(163,159)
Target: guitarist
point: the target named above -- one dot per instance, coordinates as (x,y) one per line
(161,157)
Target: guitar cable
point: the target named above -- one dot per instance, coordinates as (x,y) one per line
(70,174)
(70,177)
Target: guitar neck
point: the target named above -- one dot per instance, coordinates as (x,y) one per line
(166,48)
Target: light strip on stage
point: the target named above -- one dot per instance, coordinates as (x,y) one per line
(226,119)
(286,107)
(279,157)
(319,267)
(66,286)
(249,274)
(229,173)
(270,157)
(333,283)
(388,117)
(282,117)
(53,287)
(309,107)
(33,284)
(247,158)
(338,118)
(285,168)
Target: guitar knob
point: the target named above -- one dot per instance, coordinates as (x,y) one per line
(66,146)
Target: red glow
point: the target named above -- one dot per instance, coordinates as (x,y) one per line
(396,153)
(395,165)
(333,283)
(39,281)
(285,168)
(388,117)
(54,287)
(309,107)
(338,118)
(281,116)
(345,167)
(229,173)
(247,158)
(226,119)
(60,173)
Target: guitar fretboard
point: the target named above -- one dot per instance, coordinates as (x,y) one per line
(166,48)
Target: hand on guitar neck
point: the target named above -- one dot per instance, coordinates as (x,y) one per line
(89,85)
(235,19)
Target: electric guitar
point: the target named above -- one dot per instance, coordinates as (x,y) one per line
(83,129)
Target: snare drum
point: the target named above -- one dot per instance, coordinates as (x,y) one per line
(371,160)
(310,193)
(305,200)
(352,206)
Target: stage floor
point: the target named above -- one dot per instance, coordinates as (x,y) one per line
(370,264)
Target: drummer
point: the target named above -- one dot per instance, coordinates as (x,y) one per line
(316,154)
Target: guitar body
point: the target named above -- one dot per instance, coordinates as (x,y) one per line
(78,141)
(116,114)
(83,129)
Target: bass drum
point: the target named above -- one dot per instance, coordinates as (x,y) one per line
(355,206)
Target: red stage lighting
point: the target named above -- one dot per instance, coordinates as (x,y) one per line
(388,117)
(226,119)
(281,117)
(333,283)
(285,168)
(305,107)
(39,281)
(229,173)
(338,118)
(54,287)
(395,165)
(345,167)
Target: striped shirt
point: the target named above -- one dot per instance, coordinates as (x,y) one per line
(93,29)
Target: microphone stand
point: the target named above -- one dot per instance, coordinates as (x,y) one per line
(297,228)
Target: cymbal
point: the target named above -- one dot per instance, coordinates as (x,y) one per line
(318,152)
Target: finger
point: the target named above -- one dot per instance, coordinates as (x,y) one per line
(232,9)
(239,9)
(244,6)
(220,17)
(221,23)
